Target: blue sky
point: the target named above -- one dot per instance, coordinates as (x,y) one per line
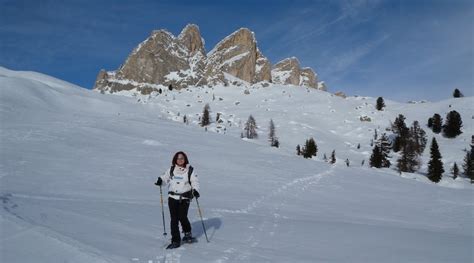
(401,50)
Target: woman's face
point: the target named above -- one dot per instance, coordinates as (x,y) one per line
(180,160)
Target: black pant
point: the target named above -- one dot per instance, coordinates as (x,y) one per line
(179,213)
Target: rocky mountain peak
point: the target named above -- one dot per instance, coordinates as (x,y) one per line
(190,37)
(289,72)
(163,59)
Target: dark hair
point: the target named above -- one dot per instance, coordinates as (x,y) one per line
(175,158)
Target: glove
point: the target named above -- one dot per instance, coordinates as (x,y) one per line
(196,193)
(159,181)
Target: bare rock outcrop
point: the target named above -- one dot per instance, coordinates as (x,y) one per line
(237,55)
(289,72)
(163,60)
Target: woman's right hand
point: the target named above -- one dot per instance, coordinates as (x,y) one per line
(159,181)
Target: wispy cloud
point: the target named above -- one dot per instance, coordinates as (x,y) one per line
(347,59)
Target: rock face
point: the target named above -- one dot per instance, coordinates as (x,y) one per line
(289,72)
(238,56)
(163,59)
(160,59)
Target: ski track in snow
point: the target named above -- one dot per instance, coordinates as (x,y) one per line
(269,226)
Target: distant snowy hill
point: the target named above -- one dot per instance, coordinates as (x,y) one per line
(77,170)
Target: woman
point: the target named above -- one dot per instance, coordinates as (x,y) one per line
(183,185)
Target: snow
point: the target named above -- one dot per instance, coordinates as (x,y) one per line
(280,76)
(77,171)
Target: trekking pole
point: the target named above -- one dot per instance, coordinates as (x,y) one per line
(202,221)
(162,212)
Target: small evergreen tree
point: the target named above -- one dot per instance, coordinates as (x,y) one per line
(170,87)
(380,104)
(418,135)
(379,157)
(457,94)
(206,119)
(271,135)
(435,165)
(453,124)
(376,157)
(400,129)
(333,157)
(298,150)
(408,161)
(310,148)
(455,171)
(385,147)
(325,158)
(468,165)
(251,128)
(430,123)
(437,123)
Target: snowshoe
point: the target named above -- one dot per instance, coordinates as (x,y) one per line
(188,238)
(173,245)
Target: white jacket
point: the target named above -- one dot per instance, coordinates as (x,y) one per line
(179,184)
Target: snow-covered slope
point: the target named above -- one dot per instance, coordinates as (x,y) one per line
(300,113)
(77,171)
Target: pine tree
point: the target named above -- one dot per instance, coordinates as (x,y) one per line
(376,157)
(325,158)
(298,149)
(379,157)
(206,119)
(333,157)
(380,104)
(401,130)
(455,171)
(435,165)
(250,128)
(430,123)
(468,164)
(453,124)
(310,148)
(385,147)
(313,147)
(418,135)
(457,94)
(437,123)
(271,135)
(170,87)
(409,160)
